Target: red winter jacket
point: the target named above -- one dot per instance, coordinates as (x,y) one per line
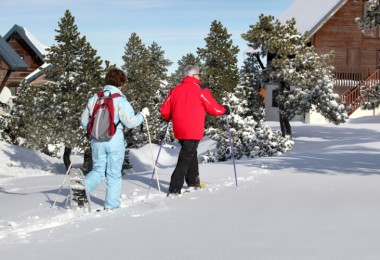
(186,106)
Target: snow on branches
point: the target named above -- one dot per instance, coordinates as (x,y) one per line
(371,17)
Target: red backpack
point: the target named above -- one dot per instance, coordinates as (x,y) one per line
(101,126)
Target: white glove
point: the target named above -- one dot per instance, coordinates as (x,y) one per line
(145,112)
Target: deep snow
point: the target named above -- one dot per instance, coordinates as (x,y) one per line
(318,201)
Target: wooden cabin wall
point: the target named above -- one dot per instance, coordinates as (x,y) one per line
(352,48)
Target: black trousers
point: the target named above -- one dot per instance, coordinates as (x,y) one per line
(187,166)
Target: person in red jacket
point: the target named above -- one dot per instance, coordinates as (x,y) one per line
(186,105)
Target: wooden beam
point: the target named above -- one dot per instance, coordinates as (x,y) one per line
(5,80)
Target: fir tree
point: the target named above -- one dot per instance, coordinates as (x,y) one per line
(371,96)
(138,89)
(158,69)
(304,77)
(21,121)
(74,73)
(249,88)
(146,69)
(158,63)
(220,61)
(136,66)
(251,137)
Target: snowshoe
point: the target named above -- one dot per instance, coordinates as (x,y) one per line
(78,195)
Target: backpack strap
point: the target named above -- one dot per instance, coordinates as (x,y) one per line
(115,95)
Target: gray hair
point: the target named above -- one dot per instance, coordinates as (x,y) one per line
(190,70)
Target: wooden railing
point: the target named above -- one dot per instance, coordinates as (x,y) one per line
(346,75)
(373,80)
(348,78)
(352,97)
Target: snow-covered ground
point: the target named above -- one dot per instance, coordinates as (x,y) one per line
(319,201)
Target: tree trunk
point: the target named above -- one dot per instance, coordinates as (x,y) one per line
(286,129)
(284,121)
(66,157)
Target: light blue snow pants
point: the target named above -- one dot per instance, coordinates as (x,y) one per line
(108,160)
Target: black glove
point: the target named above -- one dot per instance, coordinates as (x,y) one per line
(228,111)
(204,85)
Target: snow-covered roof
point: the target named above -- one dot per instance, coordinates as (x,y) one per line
(311,15)
(11,57)
(38,72)
(29,38)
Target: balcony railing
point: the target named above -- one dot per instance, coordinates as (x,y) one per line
(352,97)
(348,78)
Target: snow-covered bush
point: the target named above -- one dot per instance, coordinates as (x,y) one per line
(371,96)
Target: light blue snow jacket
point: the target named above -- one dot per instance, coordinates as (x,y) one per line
(108,157)
(123,110)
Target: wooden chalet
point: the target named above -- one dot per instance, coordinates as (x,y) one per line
(10,64)
(26,50)
(330,25)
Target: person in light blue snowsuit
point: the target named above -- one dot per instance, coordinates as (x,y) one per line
(108,156)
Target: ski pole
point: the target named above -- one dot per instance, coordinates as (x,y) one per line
(159,151)
(67,173)
(232,149)
(151,151)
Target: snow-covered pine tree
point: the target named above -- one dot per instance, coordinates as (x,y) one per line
(138,88)
(251,137)
(20,121)
(305,78)
(371,96)
(74,74)
(158,70)
(146,69)
(249,88)
(371,17)
(220,61)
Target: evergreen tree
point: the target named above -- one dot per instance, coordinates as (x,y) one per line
(249,88)
(220,61)
(304,77)
(250,136)
(146,69)
(138,89)
(136,65)
(371,96)
(371,17)
(74,74)
(158,69)
(21,121)
(157,62)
